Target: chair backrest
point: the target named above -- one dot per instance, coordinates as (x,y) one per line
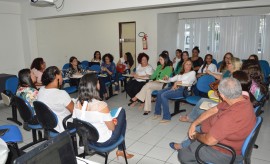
(46,117)
(96,68)
(219,64)
(66,66)
(203,83)
(24,108)
(86,129)
(12,84)
(85,63)
(214,62)
(250,140)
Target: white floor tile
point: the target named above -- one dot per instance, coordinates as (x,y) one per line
(147,160)
(160,153)
(140,148)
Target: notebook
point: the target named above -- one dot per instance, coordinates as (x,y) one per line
(207,105)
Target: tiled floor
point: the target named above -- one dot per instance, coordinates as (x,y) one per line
(148,140)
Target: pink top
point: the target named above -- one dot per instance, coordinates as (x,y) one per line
(36,75)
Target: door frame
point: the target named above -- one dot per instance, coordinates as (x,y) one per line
(120,43)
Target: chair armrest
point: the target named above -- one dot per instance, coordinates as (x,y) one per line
(230,149)
(64,122)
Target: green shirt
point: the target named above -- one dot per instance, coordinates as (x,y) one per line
(160,73)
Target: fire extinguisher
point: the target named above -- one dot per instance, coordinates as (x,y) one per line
(144,40)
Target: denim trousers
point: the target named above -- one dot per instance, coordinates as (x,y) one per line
(163,97)
(120,129)
(196,111)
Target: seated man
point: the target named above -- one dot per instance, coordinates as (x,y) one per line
(229,123)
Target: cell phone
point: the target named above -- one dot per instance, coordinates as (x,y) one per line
(3,131)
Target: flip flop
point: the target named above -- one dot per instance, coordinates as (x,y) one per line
(172,145)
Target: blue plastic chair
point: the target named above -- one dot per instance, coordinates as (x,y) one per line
(48,120)
(89,135)
(266,70)
(247,147)
(203,86)
(11,86)
(12,137)
(96,68)
(30,121)
(71,89)
(219,64)
(85,64)
(214,62)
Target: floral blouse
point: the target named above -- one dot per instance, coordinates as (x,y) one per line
(70,71)
(28,93)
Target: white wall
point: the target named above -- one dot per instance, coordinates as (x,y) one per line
(60,38)
(167,33)
(11,45)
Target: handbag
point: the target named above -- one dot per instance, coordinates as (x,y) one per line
(121,68)
(214,85)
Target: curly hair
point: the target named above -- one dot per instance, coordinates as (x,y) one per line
(49,75)
(88,88)
(37,63)
(140,56)
(109,56)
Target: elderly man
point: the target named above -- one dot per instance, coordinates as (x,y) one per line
(229,123)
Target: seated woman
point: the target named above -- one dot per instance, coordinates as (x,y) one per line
(207,65)
(177,58)
(97,57)
(143,70)
(253,57)
(226,59)
(37,68)
(196,59)
(233,65)
(184,57)
(74,69)
(186,77)
(57,100)
(253,69)
(163,70)
(127,61)
(98,114)
(27,90)
(108,69)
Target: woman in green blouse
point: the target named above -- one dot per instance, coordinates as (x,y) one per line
(163,70)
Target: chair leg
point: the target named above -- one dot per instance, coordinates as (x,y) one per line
(34,135)
(106,158)
(123,147)
(39,135)
(14,115)
(74,140)
(176,108)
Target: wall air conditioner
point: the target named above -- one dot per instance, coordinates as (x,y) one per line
(42,3)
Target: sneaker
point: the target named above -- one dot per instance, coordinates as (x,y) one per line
(164,121)
(156,117)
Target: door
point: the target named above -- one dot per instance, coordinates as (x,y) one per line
(127,39)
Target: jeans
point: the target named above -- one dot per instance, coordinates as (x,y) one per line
(188,141)
(196,111)
(163,97)
(120,129)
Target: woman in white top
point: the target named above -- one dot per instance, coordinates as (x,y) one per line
(97,57)
(57,100)
(143,70)
(177,59)
(207,65)
(98,114)
(186,77)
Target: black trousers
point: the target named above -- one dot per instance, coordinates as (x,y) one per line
(133,87)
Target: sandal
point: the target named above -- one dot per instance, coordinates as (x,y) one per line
(146,112)
(172,145)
